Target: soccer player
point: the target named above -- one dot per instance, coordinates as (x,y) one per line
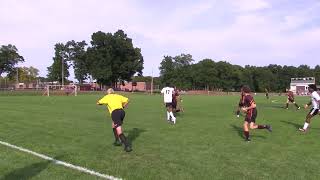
(167,96)
(176,101)
(315,101)
(291,99)
(251,114)
(267,93)
(240,105)
(115,104)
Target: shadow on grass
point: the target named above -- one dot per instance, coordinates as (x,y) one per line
(134,133)
(29,171)
(240,132)
(297,126)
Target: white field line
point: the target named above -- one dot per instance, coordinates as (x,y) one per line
(78,168)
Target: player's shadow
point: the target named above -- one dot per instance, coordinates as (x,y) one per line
(134,133)
(297,126)
(240,132)
(29,171)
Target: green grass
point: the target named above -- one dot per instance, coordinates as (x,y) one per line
(206,142)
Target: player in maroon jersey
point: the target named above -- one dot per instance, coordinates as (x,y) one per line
(240,105)
(291,99)
(176,100)
(251,114)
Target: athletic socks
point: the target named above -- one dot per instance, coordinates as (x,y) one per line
(172,116)
(124,139)
(238,112)
(246,135)
(287,105)
(116,138)
(168,116)
(305,126)
(296,105)
(262,126)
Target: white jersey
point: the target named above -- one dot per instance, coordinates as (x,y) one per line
(314,99)
(167,92)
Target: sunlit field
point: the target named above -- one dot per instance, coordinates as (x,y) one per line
(206,142)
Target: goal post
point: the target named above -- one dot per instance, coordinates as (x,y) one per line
(60,90)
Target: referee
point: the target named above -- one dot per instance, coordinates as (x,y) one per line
(115,104)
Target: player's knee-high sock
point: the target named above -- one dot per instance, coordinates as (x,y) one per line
(287,105)
(168,115)
(124,140)
(246,134)
(296,105)
(262,126)
(116,137)
(305,126)
(171,114)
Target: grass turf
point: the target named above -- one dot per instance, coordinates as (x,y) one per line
(206,142)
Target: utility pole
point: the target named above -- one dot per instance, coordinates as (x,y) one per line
(62,64)
(152,82)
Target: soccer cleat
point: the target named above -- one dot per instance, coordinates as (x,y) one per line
(174,120)
(238,116)
(298,108)
(302,130)
(269,128)
(248,140)
(128,148)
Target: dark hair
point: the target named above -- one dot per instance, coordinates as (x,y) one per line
(313,86)
(246,89)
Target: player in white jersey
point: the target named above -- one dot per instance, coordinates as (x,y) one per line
(167,97)
(315,102)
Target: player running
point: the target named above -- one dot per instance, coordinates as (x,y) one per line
(167,97)
(251,114)
(176,101)
(240,105)
(267,93)
(315,101)
(291,99)
(115,104)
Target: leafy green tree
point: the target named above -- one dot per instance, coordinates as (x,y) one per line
(59,60)
(77,55)
(9,57)
(113,58)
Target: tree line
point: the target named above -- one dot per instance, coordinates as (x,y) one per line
(110,58)
(181,71)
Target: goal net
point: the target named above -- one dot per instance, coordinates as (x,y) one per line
(60,90)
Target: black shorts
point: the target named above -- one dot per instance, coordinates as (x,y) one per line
(118,117)
(174,105)
(251,115)
(169,105)
(314,112)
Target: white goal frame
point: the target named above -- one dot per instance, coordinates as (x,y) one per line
(67,90)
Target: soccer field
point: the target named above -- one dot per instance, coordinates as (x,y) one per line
(206,142)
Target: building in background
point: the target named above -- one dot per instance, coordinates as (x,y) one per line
(299,86)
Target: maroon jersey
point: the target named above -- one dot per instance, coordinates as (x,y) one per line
(248,100)
(241,102)
(290,95)
(175,95)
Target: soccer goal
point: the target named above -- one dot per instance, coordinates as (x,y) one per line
(60,90)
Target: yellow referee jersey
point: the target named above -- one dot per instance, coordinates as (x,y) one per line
(113,101)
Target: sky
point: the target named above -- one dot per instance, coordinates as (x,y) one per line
(242,32)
